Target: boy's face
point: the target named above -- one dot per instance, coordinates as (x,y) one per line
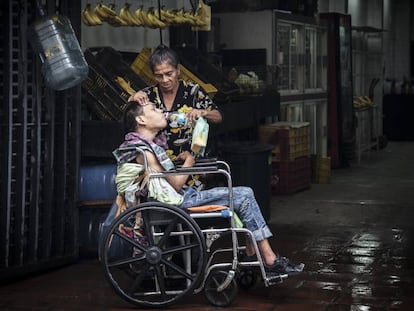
(154,117)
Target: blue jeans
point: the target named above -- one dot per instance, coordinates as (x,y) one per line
(244,202)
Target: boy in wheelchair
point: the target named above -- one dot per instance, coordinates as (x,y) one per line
(142,123)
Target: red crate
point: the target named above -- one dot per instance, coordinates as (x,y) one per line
(291,140)
(291,176)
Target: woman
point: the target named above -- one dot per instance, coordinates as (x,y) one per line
(173,94)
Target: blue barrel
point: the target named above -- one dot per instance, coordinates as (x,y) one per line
(97,182)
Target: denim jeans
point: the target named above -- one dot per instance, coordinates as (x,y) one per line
(244,202)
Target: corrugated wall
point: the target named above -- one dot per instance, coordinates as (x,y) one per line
(39,154)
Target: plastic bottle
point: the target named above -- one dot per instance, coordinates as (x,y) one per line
(177,117)
(53,39)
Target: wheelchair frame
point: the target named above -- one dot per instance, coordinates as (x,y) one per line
(172,254)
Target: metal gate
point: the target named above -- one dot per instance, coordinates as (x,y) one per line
(40,150)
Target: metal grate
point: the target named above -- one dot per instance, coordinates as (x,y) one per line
(39,158)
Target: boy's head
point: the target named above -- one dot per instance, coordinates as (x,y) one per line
(148,116)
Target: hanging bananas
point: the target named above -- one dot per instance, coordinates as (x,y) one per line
(128,17)
(109,15)
(362,102)
(151,18)
(89,16)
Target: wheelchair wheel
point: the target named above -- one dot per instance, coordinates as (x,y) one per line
(157,264)
(247,278)
(219,298)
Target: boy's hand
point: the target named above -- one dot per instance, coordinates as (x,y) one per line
(187,157)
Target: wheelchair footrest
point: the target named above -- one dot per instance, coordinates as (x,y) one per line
(276,278)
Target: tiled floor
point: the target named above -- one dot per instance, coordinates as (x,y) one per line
(355,235)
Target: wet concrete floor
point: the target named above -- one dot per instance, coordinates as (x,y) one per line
(355,235)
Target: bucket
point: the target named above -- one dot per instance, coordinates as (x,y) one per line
(63,63)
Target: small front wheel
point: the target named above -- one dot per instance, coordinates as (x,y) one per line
(224,297)
(247,279)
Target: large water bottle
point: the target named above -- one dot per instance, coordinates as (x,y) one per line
(54,40)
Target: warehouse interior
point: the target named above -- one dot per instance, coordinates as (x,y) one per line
(327,84)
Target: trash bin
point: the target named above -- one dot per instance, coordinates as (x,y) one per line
(251,165)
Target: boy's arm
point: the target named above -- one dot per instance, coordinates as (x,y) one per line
(176,181)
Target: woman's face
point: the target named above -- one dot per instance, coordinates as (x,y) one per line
(166,76)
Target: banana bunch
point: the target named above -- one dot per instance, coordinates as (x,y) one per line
(203,14)
(126,86)
(90,17)
(128,17)
(108,14)
(179,17)
(150,18)
(362,102)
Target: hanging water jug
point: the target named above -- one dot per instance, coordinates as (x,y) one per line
(54,40)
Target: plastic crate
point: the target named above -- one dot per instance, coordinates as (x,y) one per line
(321,169)
(104,97)
(291,176)
(291,140)
(114,65)
(141,67)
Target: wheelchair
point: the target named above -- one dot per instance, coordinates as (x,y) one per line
(155,254)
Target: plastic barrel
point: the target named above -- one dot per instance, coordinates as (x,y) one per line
(251,165)
(97,182)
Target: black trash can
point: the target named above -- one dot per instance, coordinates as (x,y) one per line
(251,165)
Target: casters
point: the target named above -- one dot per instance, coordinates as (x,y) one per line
(160,262)
(246,279)
(217,296)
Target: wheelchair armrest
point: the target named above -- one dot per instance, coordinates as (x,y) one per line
(193,169)
(199,162)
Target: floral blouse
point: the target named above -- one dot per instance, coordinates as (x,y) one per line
(189,95)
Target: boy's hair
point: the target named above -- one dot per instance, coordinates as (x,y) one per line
(132,110)
(163,54)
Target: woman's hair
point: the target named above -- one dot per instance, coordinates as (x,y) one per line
(161,55)
(132,110)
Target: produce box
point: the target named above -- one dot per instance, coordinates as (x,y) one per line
(291,140)
(291,176)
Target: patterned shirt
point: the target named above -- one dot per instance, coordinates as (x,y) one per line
(189,95)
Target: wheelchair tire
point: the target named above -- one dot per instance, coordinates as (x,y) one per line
(219,298)
(162,265)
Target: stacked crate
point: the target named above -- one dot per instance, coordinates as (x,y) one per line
(321,169)
(291,163)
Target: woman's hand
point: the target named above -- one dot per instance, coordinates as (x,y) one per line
(140,97)
(194,114)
